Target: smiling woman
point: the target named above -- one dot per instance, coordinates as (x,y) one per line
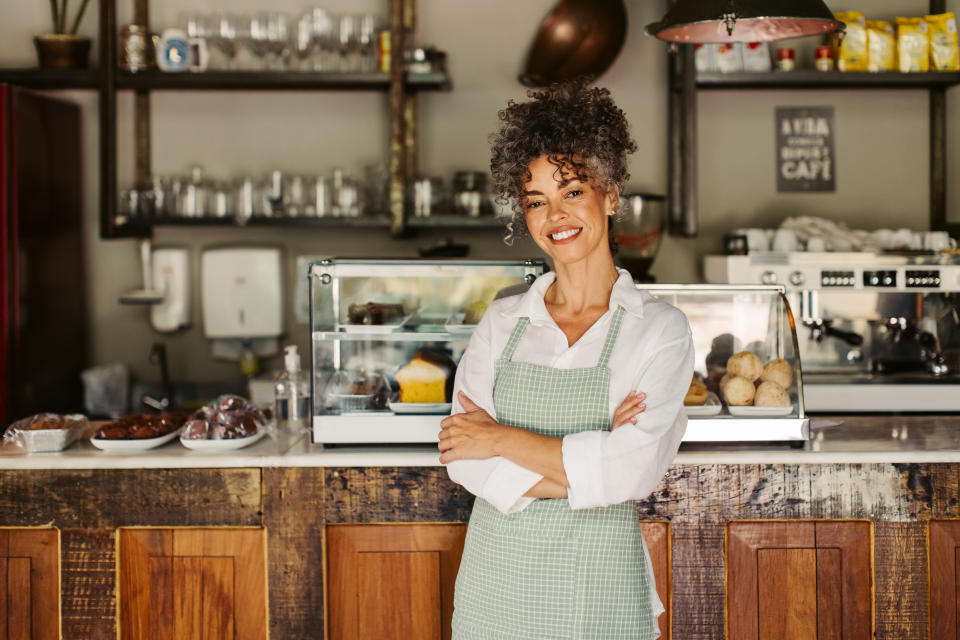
(552,428)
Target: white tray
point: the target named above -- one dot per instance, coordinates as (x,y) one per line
(454,325)
(709,408)
(373,329)
(134,444)
(228,444)
(421,407)
(760,412)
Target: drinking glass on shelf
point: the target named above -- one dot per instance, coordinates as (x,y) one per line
(326,43)
(349,35)
(279,39)
(258,40)
(303,45)
(246,199)
(223,39)
(367,43)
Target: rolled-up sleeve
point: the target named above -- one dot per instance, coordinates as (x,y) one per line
(497,480)
(609,467)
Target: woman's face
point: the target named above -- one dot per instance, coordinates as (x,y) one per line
(567,218)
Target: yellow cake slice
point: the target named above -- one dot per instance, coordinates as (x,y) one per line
(428,377)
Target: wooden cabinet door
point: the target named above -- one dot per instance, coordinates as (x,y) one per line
(657,535)
(799,580)
(29,584)
(205,583)
(944,559)
(391,580)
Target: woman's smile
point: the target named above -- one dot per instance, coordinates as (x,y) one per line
(564,235)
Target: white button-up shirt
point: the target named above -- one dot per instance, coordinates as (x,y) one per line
(653,355)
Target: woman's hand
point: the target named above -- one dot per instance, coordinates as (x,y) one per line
(632,406)
(469,436)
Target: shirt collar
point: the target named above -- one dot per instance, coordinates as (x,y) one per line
(530,305)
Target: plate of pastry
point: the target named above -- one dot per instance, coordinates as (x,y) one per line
(374,318)
(710,407)
(133,444)
(421,407)
(138,432)
(226,444)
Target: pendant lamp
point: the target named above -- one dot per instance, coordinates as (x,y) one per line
(703,21)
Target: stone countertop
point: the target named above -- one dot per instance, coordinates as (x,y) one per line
(834,440)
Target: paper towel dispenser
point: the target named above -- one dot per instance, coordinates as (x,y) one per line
(242,292)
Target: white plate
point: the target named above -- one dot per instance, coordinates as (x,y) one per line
(454,325)
(228,444)
(760,412)
(394,325)
(709,408)
(134,444)
(420,407)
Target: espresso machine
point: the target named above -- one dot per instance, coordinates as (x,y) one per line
(876,332)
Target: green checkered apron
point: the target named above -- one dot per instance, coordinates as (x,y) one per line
(550,571)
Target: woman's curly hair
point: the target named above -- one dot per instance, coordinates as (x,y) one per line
(578,127)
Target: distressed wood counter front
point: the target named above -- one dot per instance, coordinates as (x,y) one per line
(872,514)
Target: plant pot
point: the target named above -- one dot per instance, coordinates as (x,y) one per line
(62,51)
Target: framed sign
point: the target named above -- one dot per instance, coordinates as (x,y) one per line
(805,157)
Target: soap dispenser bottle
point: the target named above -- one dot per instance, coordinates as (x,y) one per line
(292,394)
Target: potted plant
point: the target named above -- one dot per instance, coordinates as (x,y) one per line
(64,48)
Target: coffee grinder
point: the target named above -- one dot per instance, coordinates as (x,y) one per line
(638,231)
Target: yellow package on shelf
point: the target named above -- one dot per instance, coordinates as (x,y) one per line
(881,46)
(850,50)
(913,44)
(942,30)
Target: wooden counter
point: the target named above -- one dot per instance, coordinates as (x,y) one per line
(892,478)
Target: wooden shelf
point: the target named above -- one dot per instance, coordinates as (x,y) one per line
(37,78)
(276,80)
(828,80)
(343,222)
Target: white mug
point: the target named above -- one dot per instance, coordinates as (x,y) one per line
(756,239)
(883,238)
(785,240)
(902,239)
(938,241)
(816,244)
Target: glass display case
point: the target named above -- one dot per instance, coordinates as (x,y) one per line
(748,384)
(386,336)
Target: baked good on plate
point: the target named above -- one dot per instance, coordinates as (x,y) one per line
(428,377)
(739,391)
(778,371)
(770,394)
(745,364)
(697,393)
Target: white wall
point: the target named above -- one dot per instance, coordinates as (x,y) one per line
(881,147)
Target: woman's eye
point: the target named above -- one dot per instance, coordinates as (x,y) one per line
(535,203)
(574,193)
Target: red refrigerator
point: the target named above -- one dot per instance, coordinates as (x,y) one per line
(43,318)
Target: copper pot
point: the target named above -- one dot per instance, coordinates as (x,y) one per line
(62,51)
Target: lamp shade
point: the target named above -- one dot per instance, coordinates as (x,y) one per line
(696,21)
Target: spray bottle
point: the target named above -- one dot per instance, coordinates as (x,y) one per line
(292,394)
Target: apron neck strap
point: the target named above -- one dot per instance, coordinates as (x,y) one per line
(518,330)
(612,333)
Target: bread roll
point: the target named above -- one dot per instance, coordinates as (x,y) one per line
(745,364)
(738,391)
(770,394)
(778,371)
(724,380)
